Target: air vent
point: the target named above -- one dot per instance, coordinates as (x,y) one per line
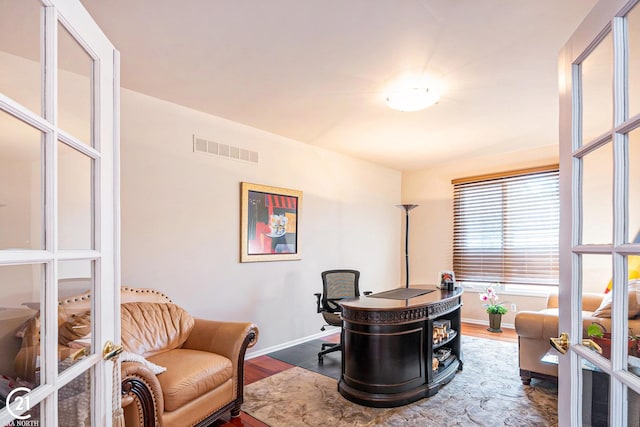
(201,145)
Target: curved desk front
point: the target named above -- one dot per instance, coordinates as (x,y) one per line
(388,346)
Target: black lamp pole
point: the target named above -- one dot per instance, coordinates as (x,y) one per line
(406,208)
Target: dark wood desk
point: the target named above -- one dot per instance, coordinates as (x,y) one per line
(388,347)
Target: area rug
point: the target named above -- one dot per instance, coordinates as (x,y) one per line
(305,355)
(488,392)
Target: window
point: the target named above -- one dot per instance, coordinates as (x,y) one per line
(506,227)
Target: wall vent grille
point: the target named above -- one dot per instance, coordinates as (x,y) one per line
(201,145)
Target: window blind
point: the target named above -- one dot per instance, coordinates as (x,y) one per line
(506,228)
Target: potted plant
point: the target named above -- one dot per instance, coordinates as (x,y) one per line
(598,333)
(494,308)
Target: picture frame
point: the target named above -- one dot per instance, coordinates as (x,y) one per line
(270,223)
(446,280)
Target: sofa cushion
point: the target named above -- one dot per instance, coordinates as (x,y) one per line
(150,328)
(190,374)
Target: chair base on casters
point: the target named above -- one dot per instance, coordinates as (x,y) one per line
(328,348)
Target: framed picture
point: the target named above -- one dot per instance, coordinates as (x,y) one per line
(446,280)
(270,223)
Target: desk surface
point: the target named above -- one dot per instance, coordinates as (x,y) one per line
(365,303)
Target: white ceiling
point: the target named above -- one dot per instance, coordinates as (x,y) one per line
(316,70)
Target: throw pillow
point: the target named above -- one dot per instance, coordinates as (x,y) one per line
(633,271)
(633,297)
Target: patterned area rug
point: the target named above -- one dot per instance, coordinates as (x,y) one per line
(488,392)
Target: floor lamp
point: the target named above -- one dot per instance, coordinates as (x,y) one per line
(406,208)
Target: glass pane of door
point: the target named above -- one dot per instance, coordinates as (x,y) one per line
(20,307)
(74,401)
(634,187)
(597,96)
(20,67)
(75,94)
(75,199)
(75,314)
(597,196)
(633,25)
(595,395)
(634,408)
(21,191)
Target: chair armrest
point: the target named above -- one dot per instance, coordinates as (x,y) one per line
(318,296)
(142,394)
(223,338)
(536,325)
(228,339)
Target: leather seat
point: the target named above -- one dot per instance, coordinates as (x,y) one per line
(204,361)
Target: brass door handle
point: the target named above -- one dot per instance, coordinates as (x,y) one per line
(111,350)
(562,343)
(592,345)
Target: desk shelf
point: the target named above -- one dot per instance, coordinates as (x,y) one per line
(452,336)
(447,370)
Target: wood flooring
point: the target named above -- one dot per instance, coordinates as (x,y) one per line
(264,366)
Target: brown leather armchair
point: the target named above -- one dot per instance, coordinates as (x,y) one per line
(204,361)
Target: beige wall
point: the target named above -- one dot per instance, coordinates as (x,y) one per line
(180,219)
(431,224)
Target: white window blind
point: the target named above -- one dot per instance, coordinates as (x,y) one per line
(506,228)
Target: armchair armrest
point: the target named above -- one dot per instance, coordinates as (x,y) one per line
(536,324)
(141,395)
(223,338)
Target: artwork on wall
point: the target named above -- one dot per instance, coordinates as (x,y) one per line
(270,223)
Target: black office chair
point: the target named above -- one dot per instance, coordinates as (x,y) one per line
(336,285)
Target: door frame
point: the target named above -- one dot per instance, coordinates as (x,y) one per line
(606,16)
(106,220)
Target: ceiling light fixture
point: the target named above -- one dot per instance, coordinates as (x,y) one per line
(413,98)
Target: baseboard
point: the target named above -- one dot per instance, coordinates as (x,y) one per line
(262,352)
(486,323)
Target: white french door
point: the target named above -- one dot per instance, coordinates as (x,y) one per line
(600,211)
(59,233)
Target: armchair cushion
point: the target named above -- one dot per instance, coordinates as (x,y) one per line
(192,373)
(149,328)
